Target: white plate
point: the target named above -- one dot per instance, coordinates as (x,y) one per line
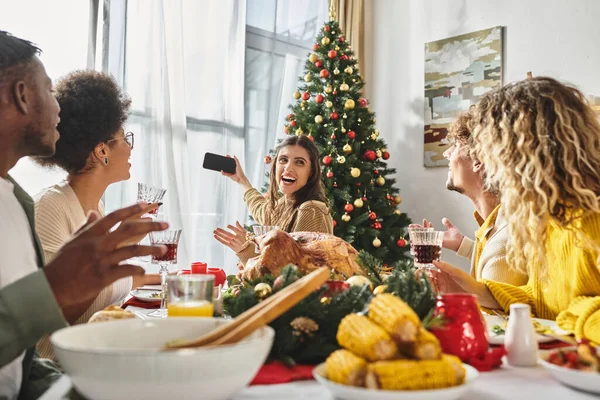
(586,381)
(357,393)
(145,295)
(491,320)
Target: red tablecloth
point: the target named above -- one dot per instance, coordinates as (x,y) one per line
(276,372)
(142,304)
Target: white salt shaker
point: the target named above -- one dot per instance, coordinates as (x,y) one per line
(520,339)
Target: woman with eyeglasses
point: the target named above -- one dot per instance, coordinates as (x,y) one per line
(94,150)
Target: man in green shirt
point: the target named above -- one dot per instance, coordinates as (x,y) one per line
(37,300)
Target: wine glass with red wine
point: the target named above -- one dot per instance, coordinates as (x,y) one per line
(427,247)
(150,194)
(170,239)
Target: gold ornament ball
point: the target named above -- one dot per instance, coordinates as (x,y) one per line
(355,172)
(397,212)
(380,289)
(379,153)
(328,104)
(318,119)
(359,280)
(380,181)
(383,149)
(343,130)
(303,104)
(358,203)
(398,199)
(346,218)
(262,290)
(344,87)
(337,47)
(307,78)
(373,137)
(349,104)
(313,58)
(376,242)
(328,89)
(376,132)
(349,70)
(325,41)
(347,148)
(299,131)
(325,300)
(336,71)
(341,159)
(297,95)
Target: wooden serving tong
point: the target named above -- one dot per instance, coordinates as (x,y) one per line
(261,314)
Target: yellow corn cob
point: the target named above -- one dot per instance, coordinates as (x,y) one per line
(365,338)
(425,347)
(343,366)
(415,375)
(395,316)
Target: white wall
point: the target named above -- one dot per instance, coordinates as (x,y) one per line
(558,38)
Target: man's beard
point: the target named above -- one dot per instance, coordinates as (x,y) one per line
(35,146)
(450,186)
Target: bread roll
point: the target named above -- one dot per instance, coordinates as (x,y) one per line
(110,313)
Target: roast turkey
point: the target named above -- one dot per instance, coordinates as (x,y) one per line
(307,250)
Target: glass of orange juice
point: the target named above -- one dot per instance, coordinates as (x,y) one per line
(190,295)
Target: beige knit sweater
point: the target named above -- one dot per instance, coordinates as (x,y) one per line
(311,216)
(58,215)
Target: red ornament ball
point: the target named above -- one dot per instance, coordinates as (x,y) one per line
(376,225)
(363,102)
(334,115)
(358,184)
(334,184)
(371,183)
(348,208)
(335,92)
(305,96)
(327,160)
(327,28)
(334,223)
(324,73)
(316,47)
(332,54)
(385,155)
(351,134)
(376,172)
(370,155)
(364,198)
(311,138)
(290,117)
(401,242)
(319,98)
(330,174)
(372,216)
(333,137)
(293,123)
(341,39)
(343,57)
(318,63)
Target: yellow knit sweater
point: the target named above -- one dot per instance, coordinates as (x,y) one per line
(570,290)
(311,216)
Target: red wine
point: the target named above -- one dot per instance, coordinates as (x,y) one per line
(426,253)
(170,255)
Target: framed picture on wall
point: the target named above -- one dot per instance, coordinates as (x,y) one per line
(458,70)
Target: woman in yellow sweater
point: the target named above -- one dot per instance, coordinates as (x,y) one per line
(540,143)
(302,207)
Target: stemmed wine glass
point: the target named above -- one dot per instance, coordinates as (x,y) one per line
(169,238)
(150,194)
(261,230)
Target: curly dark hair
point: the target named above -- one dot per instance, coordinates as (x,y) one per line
(92,109)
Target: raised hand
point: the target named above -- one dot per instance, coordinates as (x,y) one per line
(92,259)
(235,240)
(452,237)
(238,176)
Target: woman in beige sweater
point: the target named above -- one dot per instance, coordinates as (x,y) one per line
(301,206)
(94,150)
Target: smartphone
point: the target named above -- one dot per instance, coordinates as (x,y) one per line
(219,163)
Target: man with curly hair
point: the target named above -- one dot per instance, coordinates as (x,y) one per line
(540,143)
(35,301)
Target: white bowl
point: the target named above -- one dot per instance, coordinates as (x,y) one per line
(582,380)
(357,393)
(123,359)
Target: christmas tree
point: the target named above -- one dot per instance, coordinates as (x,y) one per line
(330,109)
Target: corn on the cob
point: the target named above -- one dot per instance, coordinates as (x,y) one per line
(415,375)
(425,347)
(365,338)
(343,366)
(395,316)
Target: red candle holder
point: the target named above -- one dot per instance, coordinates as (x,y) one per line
(464,333)
(335,287)
(199,267)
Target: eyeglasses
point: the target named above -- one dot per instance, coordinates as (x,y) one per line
(128,139)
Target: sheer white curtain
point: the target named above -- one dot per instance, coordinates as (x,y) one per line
(182,62)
